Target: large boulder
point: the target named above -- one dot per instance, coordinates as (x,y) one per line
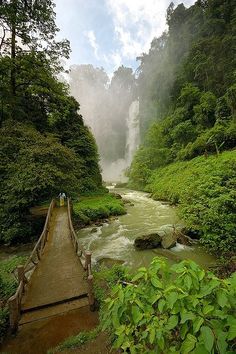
(169,240)
(148,241)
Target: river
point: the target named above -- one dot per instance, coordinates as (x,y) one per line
(114,241)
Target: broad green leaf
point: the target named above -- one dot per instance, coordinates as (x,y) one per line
(208,337)
(221,343)
(156,282)
(197,324)
(222,299)
(172,322)
(200,349)
(137,276)
(154,298)
(119,341)
(161,304)
(136,314)
(183,331)
(139,303)
(188,344)
(171,299)
(188,281)
(185,316)
(207,309)
(232,329)
(161,342)
(152,335)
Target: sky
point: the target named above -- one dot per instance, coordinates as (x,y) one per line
(109,33)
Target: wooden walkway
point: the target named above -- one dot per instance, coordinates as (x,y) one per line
(59,282)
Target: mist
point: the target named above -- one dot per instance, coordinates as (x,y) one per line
(110,108)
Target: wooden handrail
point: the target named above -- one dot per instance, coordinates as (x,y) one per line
(87,257)
(14,302)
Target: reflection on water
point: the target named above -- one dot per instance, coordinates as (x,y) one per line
(115,240)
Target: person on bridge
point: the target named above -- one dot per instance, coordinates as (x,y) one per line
(62,197)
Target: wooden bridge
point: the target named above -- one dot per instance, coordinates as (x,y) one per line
(57,276)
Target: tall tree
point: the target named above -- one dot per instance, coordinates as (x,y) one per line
(28,27)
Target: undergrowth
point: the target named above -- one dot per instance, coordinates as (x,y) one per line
(204,189)
(96,207)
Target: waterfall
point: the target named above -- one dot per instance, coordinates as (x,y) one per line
(133,131)
(115,171)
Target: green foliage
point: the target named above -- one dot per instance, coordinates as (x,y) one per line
(35,167)
(46,148)
(91,208)
(205,190)
(8,286)
(182,309)
(106,278)
(4,322)
(8,283)
(76,341)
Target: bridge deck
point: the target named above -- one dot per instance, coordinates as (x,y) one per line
(59,275)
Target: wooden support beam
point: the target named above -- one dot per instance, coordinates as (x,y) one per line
(91,297)
(88,256)
(21,273)
(13,313)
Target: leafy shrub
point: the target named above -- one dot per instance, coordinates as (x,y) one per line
(205,191)
(182,309)
(106,278)
(8,286)
(97,207)
(8,283)
(4,322)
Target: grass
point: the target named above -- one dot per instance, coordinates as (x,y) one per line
(8,286)
(76,341)
(204,189)
(92,208)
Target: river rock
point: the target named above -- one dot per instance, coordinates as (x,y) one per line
(117,196)
(109,262)
(169,240)
(148,241)
(94,229)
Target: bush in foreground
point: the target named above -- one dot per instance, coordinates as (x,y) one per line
(182,309)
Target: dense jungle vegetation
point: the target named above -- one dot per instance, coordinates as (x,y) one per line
(187,90)
(45,146)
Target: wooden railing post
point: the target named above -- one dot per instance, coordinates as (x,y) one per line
(91,293)
(88,256)
(13,313)
(21,273)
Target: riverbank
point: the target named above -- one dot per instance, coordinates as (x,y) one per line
(204,190)
(113,240)
(96,208)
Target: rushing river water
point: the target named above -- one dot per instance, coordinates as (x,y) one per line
(114,241)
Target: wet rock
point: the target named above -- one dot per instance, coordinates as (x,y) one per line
(98,223)
(110,262)
(169,240)
(94,229)
(148,241)
(117,196)
(185,239)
